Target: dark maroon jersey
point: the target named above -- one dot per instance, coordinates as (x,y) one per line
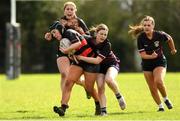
(155,44)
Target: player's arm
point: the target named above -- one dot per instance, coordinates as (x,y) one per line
(74,37)
(171,45)
(92,60)
(72,47)
(83,26)
(142,52)
(144,55)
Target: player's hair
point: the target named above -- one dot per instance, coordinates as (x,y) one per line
(137,29)
(93,30)
(69,3)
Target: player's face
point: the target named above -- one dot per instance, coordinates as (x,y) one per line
(148,27)
(101,36)
(56,34)
(70,11)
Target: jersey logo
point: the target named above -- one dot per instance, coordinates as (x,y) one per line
(145,45)
(156,43)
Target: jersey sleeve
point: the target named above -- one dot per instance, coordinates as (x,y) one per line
(83,26)
(140,44)
(105,51)
(73,36)
(164,36)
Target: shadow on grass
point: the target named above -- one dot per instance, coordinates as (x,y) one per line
(23,114)
(24,111)
(111,114)
(19,111)
(127,113)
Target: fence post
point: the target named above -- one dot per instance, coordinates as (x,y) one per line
(13,51)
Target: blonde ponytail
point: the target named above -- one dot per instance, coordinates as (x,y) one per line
(135,30)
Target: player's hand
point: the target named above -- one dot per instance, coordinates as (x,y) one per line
(64,50)
(154,55)
(63,22)
(75,59)
(173,52)
(78,57)
(48,36)
(80,30)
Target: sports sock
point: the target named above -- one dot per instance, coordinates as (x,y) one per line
(64,107)
(97,104)
(118,95)
(165,98)
(103,110)
(160,105)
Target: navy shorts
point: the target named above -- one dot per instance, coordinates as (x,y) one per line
(88,67)
(104,66)
(60,54)
(152,64)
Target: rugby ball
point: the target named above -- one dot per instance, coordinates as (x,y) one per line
(65,43)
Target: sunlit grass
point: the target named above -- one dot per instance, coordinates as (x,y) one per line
(32,96)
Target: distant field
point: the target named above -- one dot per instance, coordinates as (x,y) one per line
(32,96)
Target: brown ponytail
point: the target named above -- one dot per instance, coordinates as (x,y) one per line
(94,30)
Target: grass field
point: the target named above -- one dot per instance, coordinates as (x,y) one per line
(32,96)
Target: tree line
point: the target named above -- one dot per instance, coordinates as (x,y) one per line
(39,55)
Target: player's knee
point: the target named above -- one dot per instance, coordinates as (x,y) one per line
(69,84)
(101,90)
(89,89)
(63,75)
(153,90)
(160,83)
(109,80)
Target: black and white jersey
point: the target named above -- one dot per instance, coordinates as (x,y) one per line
(72,35)
(103,50)
(155,44)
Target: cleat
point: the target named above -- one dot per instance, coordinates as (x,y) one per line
(59,110)
(161,110)
(103,114)
(122,103)
(168,104)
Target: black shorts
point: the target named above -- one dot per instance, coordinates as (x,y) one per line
(60,54)
(92,68)
(152,64)
(104,66)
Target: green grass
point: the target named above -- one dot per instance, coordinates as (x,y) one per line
(32,96)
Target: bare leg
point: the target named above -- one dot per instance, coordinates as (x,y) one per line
(152,86)
(110,76)
(159,74)
(101,90)
(74,74)
(63,64)
(89,82)
(110,79)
